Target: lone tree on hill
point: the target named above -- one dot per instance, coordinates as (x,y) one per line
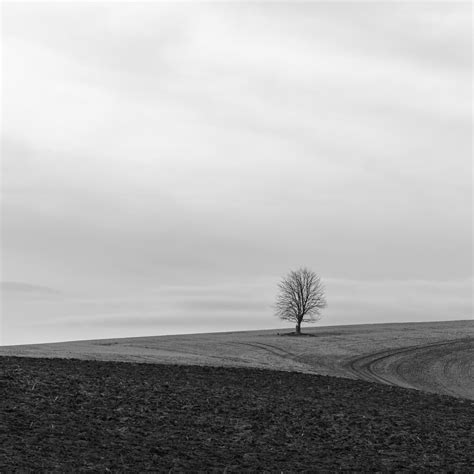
(300,298)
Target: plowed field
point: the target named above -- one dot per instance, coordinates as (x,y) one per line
(66,415)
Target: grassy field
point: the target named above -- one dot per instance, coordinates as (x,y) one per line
(434,357)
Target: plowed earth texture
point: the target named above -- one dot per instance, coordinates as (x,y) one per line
(73,415)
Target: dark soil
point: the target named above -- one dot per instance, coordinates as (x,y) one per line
(71,415)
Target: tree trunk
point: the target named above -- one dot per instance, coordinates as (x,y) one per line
(298,328)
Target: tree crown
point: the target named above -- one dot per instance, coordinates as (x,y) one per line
(301,296)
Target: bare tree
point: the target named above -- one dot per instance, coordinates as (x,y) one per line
(300,298)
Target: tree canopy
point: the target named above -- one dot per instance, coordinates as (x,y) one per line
(301,297)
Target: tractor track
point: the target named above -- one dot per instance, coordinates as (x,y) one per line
(275,350)
(290,359)
(441,367)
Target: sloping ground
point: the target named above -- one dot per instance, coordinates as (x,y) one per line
(59,415)
(434,356)
(445,367)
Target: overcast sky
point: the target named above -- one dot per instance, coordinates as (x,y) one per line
(164,165)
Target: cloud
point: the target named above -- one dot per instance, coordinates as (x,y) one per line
(224,305)
(399,300)
(26,288)
(158,144)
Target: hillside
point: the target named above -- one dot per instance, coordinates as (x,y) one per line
(434,357)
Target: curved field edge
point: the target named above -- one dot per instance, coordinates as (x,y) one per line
(435,356)
(72,415)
